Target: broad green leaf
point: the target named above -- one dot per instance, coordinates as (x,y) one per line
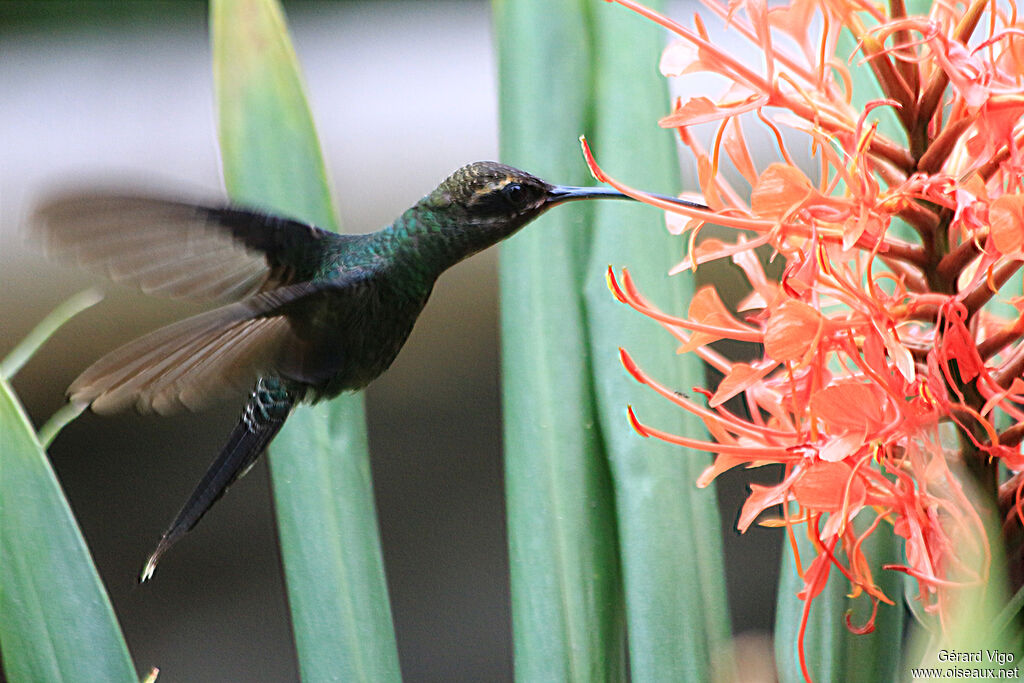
(57,623)
(669,531)
(325,514)
(567,615)
(319,463)
(269,149)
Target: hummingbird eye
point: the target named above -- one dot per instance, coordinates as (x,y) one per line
(510,198)
(515,193)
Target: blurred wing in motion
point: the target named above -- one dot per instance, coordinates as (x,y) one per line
(221,353)
(258,265)
(179,250)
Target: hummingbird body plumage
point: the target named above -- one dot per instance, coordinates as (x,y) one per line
(303,313)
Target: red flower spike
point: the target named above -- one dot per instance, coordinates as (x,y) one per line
(874,349)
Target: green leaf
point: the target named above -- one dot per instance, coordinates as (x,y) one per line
(319,464)
(1010,613)
(567,617)
(328,527)
(57,623)
(269,149)
(669,531)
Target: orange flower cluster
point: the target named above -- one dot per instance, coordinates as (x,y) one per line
(892,342)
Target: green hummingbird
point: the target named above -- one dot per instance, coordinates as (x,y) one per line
(303,313)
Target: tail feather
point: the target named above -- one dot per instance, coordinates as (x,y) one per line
(264,415)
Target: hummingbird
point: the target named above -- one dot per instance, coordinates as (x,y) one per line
(302,313)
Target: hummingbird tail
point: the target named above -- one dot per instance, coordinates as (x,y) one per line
(268,407)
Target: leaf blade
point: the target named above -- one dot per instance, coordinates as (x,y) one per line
(58,623)
(338,601)
(566,600)
(669,530)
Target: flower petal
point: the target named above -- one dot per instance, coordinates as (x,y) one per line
(779,188)
(791,331)
(850,405)
(822,487)
(1006,217)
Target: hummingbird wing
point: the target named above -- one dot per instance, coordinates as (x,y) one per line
(180,250)
(220,353)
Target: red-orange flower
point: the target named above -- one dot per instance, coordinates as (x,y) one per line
(892,345)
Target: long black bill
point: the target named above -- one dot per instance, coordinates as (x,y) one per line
(570,193)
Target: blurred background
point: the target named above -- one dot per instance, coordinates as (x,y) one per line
(120,93)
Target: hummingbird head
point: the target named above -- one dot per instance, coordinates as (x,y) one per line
(496,200)
(484,202)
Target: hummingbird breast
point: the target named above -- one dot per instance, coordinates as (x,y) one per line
(352,336)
